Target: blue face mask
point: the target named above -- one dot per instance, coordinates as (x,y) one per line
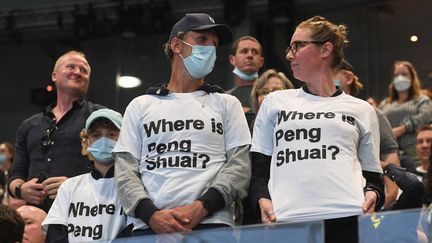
(245,76)
(201,61)
(101,150)
(336,82)
(2,158)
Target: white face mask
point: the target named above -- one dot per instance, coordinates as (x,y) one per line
(401,83)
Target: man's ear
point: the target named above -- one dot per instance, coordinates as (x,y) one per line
(53,76)
(175,45)
(261,61)
(232,59)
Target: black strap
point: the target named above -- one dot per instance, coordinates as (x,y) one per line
(161,89)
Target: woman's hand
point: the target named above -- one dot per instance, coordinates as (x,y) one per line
(370,202)
(267,214)
(399,131)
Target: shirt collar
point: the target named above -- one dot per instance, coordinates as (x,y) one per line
(77,103)
(338,91)
(162,90)
(97,175)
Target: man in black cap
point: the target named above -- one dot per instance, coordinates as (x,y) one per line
(182,157)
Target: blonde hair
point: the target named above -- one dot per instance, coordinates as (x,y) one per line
(85,145)
(414,90)
(323,30)
(67,54)
(261,81)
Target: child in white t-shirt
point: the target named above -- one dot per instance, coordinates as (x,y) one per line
(87,207)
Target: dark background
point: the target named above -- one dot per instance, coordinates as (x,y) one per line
(126,37)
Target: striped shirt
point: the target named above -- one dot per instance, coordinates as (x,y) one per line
(412,114)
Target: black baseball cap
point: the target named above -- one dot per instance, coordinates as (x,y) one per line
(202,21)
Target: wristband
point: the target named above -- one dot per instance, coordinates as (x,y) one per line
(367,189)
(18,191)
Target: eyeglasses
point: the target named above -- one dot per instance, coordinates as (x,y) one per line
(265,91)
(296,44)
(45,140)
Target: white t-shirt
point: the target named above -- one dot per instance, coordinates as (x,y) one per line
(319,147)
(181,142)
(89,208)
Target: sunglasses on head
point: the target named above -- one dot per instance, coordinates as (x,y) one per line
(266,91)
(46,139)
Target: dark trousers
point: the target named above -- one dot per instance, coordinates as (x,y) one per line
(341,230)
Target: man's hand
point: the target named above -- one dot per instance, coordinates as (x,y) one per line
(168,221)
(370,202)
(51,185)
(194,212)
(391,192)
(267,214)
(32,192)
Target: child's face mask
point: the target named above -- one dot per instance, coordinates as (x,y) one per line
(101,150)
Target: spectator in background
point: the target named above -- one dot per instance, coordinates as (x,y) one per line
(33,218)
(6,158)
(293,180)
(350,84)
(11,225)
(429,75)
(65,221)
(267,82)
(423,145)
(406,108)
(413,190)
(247,58)
(428,182)
(428,89)
(373,101)
(346,80)
(48,145)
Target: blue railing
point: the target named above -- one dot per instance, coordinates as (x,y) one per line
(393,226)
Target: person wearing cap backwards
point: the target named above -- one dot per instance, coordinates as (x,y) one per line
(182,156)
(350,84)
(87,207)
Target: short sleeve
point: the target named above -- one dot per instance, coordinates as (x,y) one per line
(236,127)
(262,140)
(130,135)
(58,213)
